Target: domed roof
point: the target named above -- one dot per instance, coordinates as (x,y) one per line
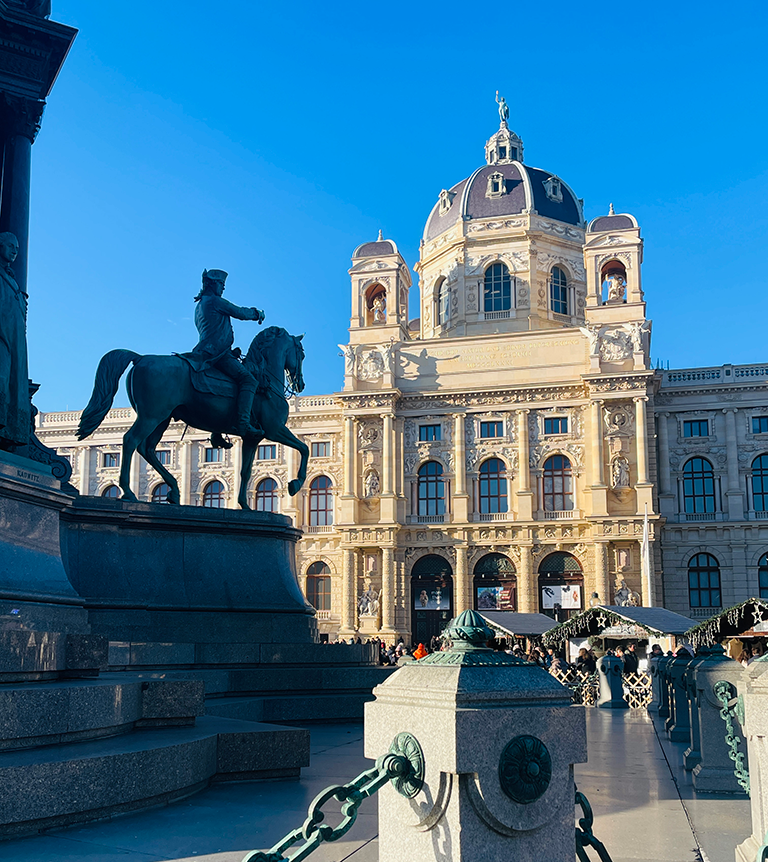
(612,221)
(377,248)
(521,189)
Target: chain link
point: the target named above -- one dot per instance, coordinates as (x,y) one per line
(732,707)
(584,835)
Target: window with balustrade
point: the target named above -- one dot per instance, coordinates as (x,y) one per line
(266,496)
(493,487)
(214,495)
(431,490)
(558,484)
(497,289)
(558,291)
(762,576)
(160,493)
(760,483)
(698,487)
(321,502)
(319,586)
(704,582)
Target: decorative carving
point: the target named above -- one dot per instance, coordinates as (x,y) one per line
(372,484)
(620,472)
(615,346)
(370,365)
(525,769)
(368,435)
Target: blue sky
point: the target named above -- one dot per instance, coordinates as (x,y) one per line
(270,139)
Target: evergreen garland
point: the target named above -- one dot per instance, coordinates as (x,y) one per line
(589,623)
(728,623)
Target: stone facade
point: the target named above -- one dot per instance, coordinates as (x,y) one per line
(499,447)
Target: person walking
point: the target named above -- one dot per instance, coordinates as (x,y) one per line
(631,661)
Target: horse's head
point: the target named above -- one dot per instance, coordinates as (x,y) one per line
(274,354)
(294,358)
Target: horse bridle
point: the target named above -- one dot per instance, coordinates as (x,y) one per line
(288,388)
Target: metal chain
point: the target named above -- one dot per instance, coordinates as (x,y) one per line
(723,691)
(388,767)
(584,835)
(762,851)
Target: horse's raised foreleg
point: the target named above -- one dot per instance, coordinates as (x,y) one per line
(147,450)
(132,438)
(288,438)
(249,451)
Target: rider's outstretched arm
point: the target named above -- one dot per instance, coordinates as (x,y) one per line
(224,306)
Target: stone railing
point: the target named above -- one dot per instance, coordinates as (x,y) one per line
(722,374)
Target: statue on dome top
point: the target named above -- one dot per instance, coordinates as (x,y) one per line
(503,108)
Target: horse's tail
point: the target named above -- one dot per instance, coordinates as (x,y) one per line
(108,374)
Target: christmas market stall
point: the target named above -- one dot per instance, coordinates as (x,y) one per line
(510,626)
(608,626)
(743,627)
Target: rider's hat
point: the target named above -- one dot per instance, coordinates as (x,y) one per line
(215,274)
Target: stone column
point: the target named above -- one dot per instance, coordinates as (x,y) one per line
(463,600)
(388,503)
(526,582)
(643,487)
(524,493)
(348,593)
(602,578)
(349,491)
(598,490)
(185,458)
(387,598)
(734,494)
(460,496)
(85,471)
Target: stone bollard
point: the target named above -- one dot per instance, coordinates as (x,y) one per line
(498,738)
(669,722)
(661,671)
(653,668)
(680,730)
(715,772)
(609,671)
(692,754)
(754,692)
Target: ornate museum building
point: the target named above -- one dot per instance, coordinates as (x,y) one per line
(499,447)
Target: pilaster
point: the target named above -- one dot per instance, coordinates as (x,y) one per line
(526,584)
(644,488)
(460,496)
(524,493)
(734,495)
(598,489)
(463,582)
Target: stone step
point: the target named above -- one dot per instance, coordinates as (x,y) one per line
(65,784)
(51,713)
(302,706)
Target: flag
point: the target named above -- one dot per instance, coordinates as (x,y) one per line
(646,570)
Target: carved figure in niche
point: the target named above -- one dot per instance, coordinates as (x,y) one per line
(616,287)
(640,333)
(349,359)
(388,355)
(622,559)
(503,108)
(368,603)
(379,309)
(624,597)
(371,564)
(620,472)
(14,382)
(372,485)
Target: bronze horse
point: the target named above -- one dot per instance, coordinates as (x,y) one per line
(160,388)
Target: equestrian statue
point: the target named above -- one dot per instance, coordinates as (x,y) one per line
(212,388)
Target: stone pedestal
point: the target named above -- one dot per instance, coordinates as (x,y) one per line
(663,683)
(680,730)
(692,754)
(715,772)
(754,690)
(499,738)
(611,696)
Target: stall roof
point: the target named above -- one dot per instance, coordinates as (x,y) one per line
(730,622)
(513,623)
(593,621)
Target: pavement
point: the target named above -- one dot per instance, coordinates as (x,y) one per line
(644,806)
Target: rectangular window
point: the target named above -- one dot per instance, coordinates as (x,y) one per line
(502,152)
(321,450)
(556,425)
(697,428)
(428,433)
(111,459)
(492,429)
(759,424)
(164,456)
(267,452)
(213,455)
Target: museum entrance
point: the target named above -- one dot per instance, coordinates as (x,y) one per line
(431,598)
(495,584)
(561,586)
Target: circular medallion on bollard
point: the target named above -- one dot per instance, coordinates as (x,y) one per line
(411,782)
(525,769)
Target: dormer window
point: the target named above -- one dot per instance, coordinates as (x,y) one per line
(502,152)
(446,199)
(496,185)
(554,189)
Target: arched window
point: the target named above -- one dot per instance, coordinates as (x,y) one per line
(376,304)
(112,492)
(558,291)
(704,582)
(320,502)
(495,583)
(698,487)
(431,500)
(762,576)
(266,496)
(160,493)
(760,483)
(213,495)
(493,487)
(558,484)
(497,291)
(613,281)
(319,586)
(561,585)
(442,303)
(431,597)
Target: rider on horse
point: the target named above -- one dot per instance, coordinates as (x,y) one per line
(212,319)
